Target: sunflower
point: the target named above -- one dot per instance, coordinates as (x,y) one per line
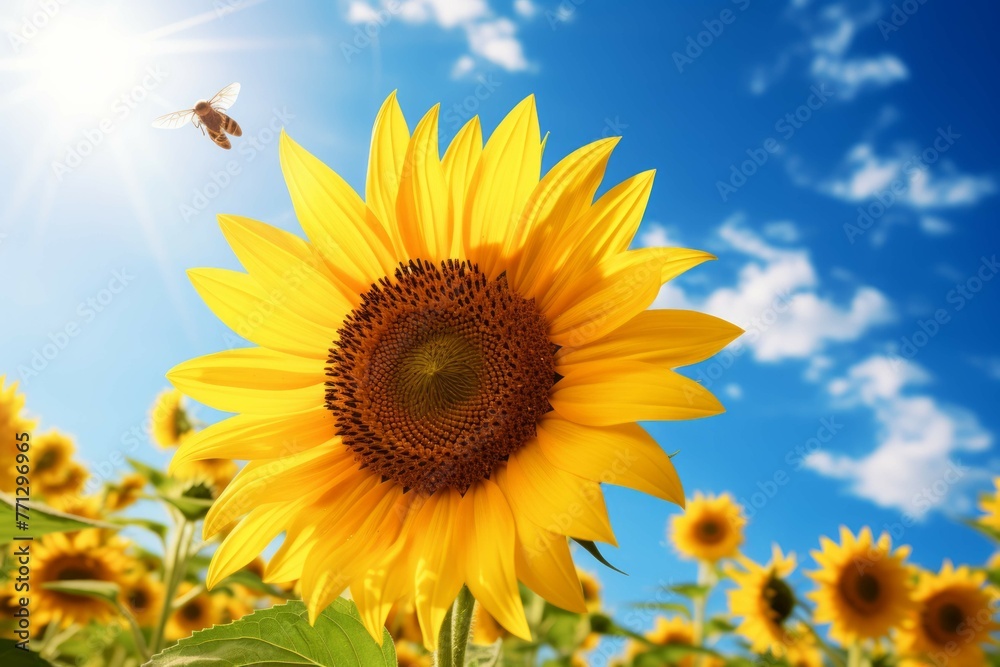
(216,472)
(709,529)
(402,623)
(485,628)
(802,649)
(125,492)
(199,612)
(81,555)
(143,597)
(765,601)
(990,505)
(445,372)
(591,590)
(671,631)
(863,587)
(14,428)
(51,454)
(953,616)
(409,655)
(168,419)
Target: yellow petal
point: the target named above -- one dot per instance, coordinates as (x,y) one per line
(616,291)
(543,562)
(459,165)
(487,531)
(604,230)
(554,499)
(246,541)
(375,590)
(669,338)
(390,138)
(243,305)
(274,480)
(248,437)
(252,380)
(623,454)
(334,218)
(437,575)
(283,267)
(501,184)
(599,394)
(422,206)
(548,223)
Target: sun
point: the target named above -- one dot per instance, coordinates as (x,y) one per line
(80,64)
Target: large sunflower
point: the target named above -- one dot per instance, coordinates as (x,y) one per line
(82,555)
(709,529)
(14,428)
(764,600)
(863,586)
(446,371)
(952,618)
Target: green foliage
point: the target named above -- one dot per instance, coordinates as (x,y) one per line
(282,636)
(42,520)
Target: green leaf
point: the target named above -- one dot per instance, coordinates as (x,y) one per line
(281,636)
(193,509)
(251,581)
(11,655)
(689,591)
(41,520)
(102,590)
(603,625)
(484,656)
(717,625)
(155,477)
(596,553)
(675,607)
(671,654)
(152,526)
(991,533)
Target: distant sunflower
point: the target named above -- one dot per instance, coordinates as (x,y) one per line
(13,424)
(52,453)
(764,600)
(408,655)
(863,587)
(953,616)
(990,505)
(403,624)
(709,529)
(60,557)
(446,371)
(143,597)
(216,472)
(802,649)
(200,612)
(591,590)
(71,483)
(125,492)
(169,420)
(672,631)
(485,628)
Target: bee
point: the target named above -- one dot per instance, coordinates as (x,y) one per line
(209,116)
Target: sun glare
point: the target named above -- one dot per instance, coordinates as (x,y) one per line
(82,66)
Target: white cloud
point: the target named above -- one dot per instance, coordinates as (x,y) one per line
(783,231)
(497,42)
(525,8)
(655,235)
(935,226)
(910,179)
(463,66)
(491,38)
(733,391)
(831,31)
(776,299)
(914,466)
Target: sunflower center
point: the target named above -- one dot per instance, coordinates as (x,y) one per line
(74,573)
(711,532)
(439,375)
(862,591)
(47,460)
(191,611)
(780,599)
(138,599)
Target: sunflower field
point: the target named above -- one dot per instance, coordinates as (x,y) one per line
(444,379)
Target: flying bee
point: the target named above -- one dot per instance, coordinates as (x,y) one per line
(209,116)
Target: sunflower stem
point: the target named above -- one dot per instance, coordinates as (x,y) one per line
(454,636)
(174,565)
(706,578)
(854,655)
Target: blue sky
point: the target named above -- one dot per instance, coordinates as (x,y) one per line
(839,160)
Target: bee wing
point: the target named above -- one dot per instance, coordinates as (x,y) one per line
(225,98)
(172,121)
